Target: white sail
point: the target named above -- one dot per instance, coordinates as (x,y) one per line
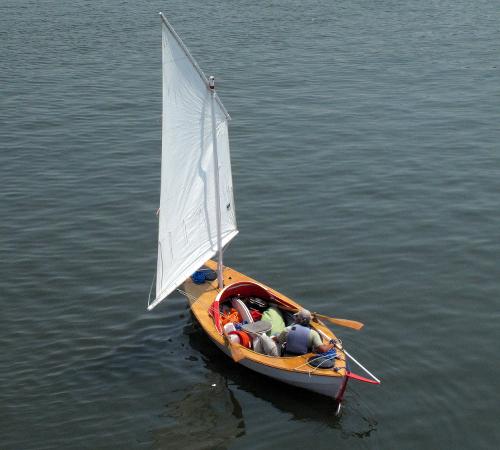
(188,205)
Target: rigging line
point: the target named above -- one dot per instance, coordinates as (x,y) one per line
(191,297)
(307,362)
(360,365)
(151,289)
(318,357)
(160,251)
(326,360)
(353,359)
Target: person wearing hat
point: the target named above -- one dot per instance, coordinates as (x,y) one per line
(300,338)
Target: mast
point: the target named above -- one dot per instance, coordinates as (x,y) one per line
(220,279)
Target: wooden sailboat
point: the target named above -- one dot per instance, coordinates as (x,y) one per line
(197,220)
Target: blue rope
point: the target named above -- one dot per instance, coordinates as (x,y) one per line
(329,354)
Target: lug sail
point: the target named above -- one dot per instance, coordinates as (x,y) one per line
(188,205)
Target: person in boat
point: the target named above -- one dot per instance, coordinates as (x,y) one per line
(299,338)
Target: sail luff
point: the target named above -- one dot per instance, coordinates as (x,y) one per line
(192,60)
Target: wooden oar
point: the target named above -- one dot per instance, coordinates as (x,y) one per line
(342,322)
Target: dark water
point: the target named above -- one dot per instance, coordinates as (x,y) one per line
(367,174)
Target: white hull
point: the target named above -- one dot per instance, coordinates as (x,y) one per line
(332,387)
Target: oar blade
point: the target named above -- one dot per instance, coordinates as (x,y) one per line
(343,322)
(347,323)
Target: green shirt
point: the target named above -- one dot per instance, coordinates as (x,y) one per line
(273,315)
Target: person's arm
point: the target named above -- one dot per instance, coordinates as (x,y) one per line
(323,348)
(317,343)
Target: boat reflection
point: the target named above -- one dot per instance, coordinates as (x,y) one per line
(209,416)
(282,396)
(302,405)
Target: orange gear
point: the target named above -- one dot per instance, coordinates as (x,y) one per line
(234,317)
